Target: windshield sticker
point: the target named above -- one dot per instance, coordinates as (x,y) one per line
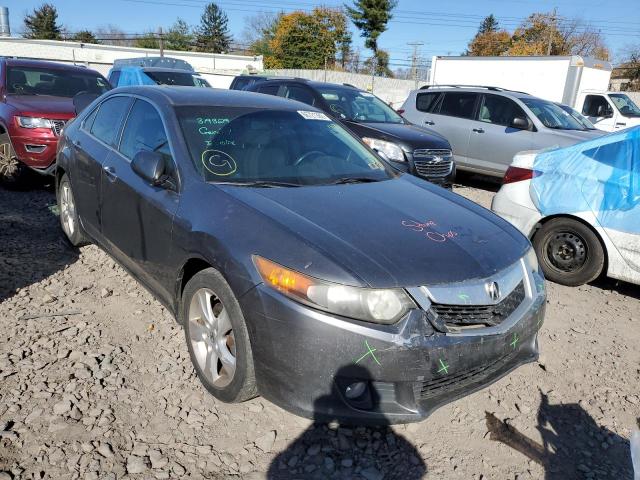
(367,94)
(218,163)
(429,232)
(307,115)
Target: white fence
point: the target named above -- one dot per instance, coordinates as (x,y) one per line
(219,69)
(392,90)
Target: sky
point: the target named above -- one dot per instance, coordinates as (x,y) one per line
(443,28)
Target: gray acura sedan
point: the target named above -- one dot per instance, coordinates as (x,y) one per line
(302,266)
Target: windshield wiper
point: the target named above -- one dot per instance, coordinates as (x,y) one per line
(260,184)
(342,181)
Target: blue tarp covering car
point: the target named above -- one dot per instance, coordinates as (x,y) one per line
(600,176)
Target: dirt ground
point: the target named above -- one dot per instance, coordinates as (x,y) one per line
(95,382)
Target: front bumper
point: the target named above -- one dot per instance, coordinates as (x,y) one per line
(305,359)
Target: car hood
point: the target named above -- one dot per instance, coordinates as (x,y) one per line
(43,105)
(396,233)
(410,135)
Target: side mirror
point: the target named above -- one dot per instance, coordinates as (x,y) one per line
(82,100)
(520,123)
(150,166)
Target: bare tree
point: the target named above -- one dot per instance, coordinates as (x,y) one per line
(112,35)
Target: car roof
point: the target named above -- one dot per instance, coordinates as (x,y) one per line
(311,83)
(198,96)
(474,89)
(23,62)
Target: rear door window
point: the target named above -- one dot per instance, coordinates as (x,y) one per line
(300,94)
(269,89)
(499,110)
(458,104)
(425,102)
(109,119)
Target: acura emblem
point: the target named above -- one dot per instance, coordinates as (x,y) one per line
(493,290)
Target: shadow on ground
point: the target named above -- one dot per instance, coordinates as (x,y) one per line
(476,180)
(573,444)
(328,451)
(32,245)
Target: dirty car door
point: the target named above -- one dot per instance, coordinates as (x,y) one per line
(91,146)
(137,217)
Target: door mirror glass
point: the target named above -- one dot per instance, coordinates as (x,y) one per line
(150,166)
(520,123)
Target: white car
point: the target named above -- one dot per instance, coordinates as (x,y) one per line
(580,206)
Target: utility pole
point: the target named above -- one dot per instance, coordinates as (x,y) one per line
(414,60)
(161,41)
(374,66)
(552,25)
(325,69)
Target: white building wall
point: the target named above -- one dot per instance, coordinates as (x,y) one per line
(219,69)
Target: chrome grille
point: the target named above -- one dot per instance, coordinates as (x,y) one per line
(433,163)
(465,316)
(57,126)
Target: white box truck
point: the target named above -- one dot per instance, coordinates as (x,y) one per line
(579,82)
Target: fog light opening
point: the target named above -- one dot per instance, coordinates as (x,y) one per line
(355,390)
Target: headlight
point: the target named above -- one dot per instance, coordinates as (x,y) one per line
(389,150)
(34,122)
(385,306)
(532,260)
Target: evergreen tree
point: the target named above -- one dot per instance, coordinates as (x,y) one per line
(85,36)
(43,23)
(179,36)
(488,25)
(212,35)
(371,18)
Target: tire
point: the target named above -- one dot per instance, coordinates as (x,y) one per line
(222,340)
(69,220)
(570,253)
(13,173)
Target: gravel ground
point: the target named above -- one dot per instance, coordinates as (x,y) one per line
(95,382)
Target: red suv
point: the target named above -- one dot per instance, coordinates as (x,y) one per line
(36,100)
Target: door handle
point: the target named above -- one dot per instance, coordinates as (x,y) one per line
(620,124)
(429,122)
(110,172)
(478,130)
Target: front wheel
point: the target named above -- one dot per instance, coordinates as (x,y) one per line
(570,253)
(13,173)
(217,337)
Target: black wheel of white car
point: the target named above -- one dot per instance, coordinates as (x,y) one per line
(69,220)
(217,337)
(12,171)
(569,252)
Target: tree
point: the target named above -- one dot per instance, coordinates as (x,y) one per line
(491,43)
(571,37)
(179,36)
(43,23)
(379,64)
(212,35)
(308,40)
(371,18)
(112,35)
(488,25)
(259,31)
(629,69)
(147,40)
(85,36)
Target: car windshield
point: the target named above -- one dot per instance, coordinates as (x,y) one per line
(356,105)
(53,81)
(183,79)
(551,115)
(625,105)
(265,147)
(584,121)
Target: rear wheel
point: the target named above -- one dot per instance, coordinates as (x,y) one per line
(13,172)
(217,337)
(570,253)
(69,220)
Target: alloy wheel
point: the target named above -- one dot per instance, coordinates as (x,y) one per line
(67,210)
(8,162)
(212,338)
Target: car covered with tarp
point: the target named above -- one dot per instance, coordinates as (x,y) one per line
(154,71)
(580,205)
